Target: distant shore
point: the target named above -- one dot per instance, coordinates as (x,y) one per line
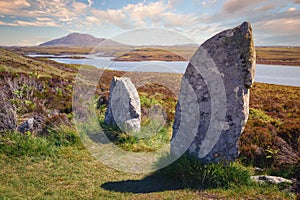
(265,55)
(271,62)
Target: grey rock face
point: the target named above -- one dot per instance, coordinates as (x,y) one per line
(124,108)
(8,117)
(213,105)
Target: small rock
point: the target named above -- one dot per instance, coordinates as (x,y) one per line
(270,179)
(26,126)
(257,169)
(102,101)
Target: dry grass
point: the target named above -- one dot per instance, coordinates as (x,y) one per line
(278,55)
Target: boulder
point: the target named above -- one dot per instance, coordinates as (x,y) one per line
(28,125)
(124,108)
(270,179)
(213,104)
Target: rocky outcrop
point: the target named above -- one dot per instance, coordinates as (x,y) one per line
(8,117)
(124,108)
(213,105)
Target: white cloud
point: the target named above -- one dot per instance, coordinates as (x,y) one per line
(65,12)
(7,24)
(35,23)
(234,6)
(208,2)
(43,19)
(115,17)
(292,9)
(93,19)
(140,12)
(282,26)
(13,7)
(143,15)
(265,8)
(283,30)
(79,7)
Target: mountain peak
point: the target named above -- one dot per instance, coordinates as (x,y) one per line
(79,39)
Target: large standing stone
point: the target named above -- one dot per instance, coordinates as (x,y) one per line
(213,105)
(124,108)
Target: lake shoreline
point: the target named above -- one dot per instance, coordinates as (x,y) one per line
(121,59)
(264,55)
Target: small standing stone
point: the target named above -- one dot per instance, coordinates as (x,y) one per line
(213,105)
(124,108)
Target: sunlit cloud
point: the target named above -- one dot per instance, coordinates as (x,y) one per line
(292,9)
(142,15)
(13,7)
(35,23)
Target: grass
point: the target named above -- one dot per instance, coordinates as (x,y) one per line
(149,139)
(15,63)
(74,174)
(14,144)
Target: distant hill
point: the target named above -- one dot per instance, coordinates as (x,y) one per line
(78,39)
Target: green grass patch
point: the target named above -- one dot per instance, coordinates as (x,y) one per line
(148,101)
(150,138)
(261,115)
(75,174)
(16,144)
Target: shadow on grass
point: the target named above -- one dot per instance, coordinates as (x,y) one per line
(152,183)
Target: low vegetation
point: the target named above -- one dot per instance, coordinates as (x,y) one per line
(52,163)
(149,54)
(278,55)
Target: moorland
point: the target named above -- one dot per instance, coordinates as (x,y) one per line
(51,162)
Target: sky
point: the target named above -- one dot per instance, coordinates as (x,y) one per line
(31,22)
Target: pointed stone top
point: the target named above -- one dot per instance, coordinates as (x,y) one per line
(245,26)
(239,43)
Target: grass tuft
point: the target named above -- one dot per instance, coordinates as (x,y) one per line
(63,136)
(192,173)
